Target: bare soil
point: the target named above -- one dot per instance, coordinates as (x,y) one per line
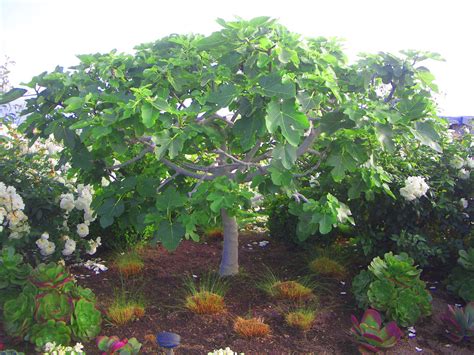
(162,285)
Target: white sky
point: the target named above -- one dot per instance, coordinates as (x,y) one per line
(40,34)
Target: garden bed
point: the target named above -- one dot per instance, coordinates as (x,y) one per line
(162,282)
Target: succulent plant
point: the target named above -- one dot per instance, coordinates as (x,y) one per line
(52,305)
(18,314)
(393,285)
(13,274)
(371,336)
(86,320)
(52,302)
(115,345)
(51,331)
(52,276)
(459,322)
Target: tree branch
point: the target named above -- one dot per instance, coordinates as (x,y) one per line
(165,181)
(140,155)
(182,171)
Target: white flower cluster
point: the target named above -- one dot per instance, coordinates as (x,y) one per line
(68,203)
(11,212)
(464,166)
(415,187)
(69,245)
(45,246)
(226,351)
(53,349)
(82,203)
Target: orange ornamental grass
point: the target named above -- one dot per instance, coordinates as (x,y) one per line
(139,311)
(291,290)
(121,314)
(328,267)
(205,302)
(129,264)
(251,328)
(215,233)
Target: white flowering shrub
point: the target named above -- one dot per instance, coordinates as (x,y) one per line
(43,211)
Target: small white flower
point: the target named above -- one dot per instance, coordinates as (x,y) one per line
(464,174)
(49,347)
(78,347)
(69,247)
(104,182)
(457,162)
(463,202)
(470,163)
(82,230)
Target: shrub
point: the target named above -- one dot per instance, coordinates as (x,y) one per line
(208,296)
(328,267)
(393,285)
(129,263)
(461,280)
(417,247)
(302,318)
(52,308)
(371,336)
(13,274)
(251,328)
(47,203)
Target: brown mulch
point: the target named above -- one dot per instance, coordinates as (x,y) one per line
(162,285)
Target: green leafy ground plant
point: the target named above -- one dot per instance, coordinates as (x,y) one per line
(115,345)
(52,308)
(392,285)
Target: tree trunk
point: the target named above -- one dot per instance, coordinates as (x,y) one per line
(230,253)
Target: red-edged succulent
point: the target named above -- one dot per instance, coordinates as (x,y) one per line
(459,322)
(370,334)
(115,345)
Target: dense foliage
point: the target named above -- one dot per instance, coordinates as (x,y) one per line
(461,280)
(431,228)
(392,285)
(52,308)
(250,107)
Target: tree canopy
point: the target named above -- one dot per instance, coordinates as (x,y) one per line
(189,127)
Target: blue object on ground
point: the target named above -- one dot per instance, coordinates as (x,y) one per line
(168,340)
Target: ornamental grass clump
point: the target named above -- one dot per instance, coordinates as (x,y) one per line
(129,264)
(392,285)
(302,318)
(287,290)
(126,307)
(52,308)
(207,297)
(215,233)
(325,266)
(251,328)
